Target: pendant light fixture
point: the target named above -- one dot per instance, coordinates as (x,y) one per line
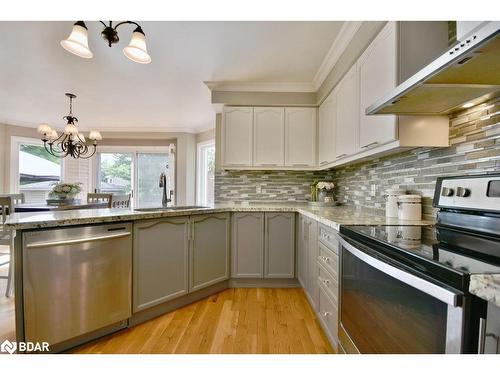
(71,142)
(77,42)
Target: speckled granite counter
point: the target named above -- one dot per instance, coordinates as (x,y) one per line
(330,216)
(486,286)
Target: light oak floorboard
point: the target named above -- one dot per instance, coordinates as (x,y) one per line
(235,321)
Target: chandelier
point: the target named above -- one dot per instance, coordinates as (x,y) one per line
(70,142)
(78,41)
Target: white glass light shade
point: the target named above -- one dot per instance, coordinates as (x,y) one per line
(52,135)
(95,135)
(70,129)
(44,129)
(137,50)
(78,42)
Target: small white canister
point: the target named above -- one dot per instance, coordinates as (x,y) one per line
(391,204)
(410,207)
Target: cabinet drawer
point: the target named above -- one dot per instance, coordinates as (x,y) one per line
(329,283)
(328,259)
(328,237)
(328,313)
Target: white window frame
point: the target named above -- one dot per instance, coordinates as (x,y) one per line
(134,150)
(200,168)
(15,144)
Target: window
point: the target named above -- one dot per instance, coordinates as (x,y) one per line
(124,171)
(205,173)
(34,170)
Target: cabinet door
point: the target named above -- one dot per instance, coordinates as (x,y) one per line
(209,250)
(347,115)
(269,133)
(237,135)
(302,253)
(312,279)
(300,137)
(160,256)
(247,249)
(377,76)
(279,245)
(327,124)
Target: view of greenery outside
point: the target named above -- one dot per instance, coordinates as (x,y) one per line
(40,152)
(116,172)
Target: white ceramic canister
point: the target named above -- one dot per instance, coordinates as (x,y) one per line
(391,204)
(410,207)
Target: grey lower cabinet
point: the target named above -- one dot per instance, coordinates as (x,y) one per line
(209,253)
(307,255)
(160,261)
(263,245)
(279,245)
(247,244)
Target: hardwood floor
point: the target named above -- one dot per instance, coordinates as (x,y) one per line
(243,320)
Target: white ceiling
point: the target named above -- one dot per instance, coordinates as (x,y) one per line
(115,93)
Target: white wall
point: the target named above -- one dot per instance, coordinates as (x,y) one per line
(3,152)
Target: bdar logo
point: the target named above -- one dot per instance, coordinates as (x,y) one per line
(8,347)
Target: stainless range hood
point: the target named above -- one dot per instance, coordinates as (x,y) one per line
(468,73)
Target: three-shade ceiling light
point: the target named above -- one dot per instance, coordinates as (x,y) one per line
(78,42)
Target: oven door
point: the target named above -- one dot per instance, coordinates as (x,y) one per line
(385,308)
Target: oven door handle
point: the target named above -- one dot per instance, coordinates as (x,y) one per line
(448,296)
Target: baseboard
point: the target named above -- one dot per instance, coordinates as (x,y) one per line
(264,283)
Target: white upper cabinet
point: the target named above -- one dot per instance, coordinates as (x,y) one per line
(327,124)
(377,76)
(300,137)
(269,134)
(237,136)
(346,134)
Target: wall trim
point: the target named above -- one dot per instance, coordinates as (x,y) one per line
(260,86)
(347,32)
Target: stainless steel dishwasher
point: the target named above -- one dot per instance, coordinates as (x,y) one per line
(76,280)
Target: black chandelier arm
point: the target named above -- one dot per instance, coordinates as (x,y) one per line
(127,22)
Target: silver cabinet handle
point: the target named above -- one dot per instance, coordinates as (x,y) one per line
(323,162)
(76,241)
(482,336)
(370,144)
(341,156)
(326,313)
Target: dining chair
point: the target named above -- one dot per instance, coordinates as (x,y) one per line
(120,200)
(99,197)
(6,238)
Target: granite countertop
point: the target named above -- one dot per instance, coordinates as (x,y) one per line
(330,216)
(486,286)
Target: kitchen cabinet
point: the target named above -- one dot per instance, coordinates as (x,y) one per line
(347,115)
(247,250)
(209,250)
(237,136)
(300,137)
(326,131)
(307,259)
(377,69)
(160,261)
(268,136)
(279,248)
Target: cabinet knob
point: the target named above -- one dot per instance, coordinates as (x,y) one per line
(447,192)
(326,313)
(463,192)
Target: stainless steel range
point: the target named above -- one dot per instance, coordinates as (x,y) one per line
(405,289)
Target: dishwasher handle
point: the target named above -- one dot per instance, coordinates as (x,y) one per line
(36,245)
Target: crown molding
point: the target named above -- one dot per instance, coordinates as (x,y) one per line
(347,32)
(260,86)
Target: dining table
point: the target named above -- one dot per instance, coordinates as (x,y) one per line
(43,206)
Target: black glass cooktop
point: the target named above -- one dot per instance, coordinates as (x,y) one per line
(447,255)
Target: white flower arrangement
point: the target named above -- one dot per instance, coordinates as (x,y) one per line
(63,189)
(325,185)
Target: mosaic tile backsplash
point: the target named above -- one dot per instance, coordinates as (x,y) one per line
(474,149)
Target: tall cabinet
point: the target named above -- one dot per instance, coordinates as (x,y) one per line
(300,137)
(268,136)
(326,129)
(237,136)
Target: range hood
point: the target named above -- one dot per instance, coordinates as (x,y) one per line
(468,73)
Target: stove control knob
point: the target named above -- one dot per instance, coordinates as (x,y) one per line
(463,192)
(447,192)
